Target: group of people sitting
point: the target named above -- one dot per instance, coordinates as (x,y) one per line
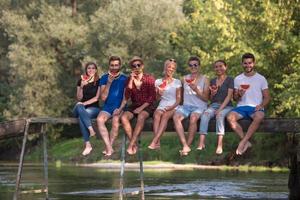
(194,97)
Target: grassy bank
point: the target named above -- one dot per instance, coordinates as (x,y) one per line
(268,150)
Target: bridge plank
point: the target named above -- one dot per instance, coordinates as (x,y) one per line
(269,125)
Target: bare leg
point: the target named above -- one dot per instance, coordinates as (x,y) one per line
(219,149)
(114,129)
(137,130)
(125,119)
(244,143)
(101,119)
(180,131)
(162,127)
(156,124)
(192,127)
(201,144)
(232,118)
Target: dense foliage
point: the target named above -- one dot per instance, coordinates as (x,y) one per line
(44,44)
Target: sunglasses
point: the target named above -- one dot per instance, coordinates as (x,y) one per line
(172,60)
(193,65)
(136,65)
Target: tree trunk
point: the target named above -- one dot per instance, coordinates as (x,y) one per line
(74,7)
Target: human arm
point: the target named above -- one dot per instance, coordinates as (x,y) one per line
(104,89)
(92,100)
(266,100)
(203,94)
(178,100)
(226,100)
(79,93)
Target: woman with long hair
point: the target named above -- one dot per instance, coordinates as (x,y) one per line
(87,107)
(168,89)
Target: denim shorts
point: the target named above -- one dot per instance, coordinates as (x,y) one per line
(245,111)
(186,110)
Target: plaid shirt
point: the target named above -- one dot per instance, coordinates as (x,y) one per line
(146,93)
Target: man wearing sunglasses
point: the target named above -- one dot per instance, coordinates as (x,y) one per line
(195,97)
(112,86)
(140,90)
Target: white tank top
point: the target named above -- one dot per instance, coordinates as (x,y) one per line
(190,97)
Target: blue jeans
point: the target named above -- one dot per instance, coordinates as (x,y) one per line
(84,116)
(220,119)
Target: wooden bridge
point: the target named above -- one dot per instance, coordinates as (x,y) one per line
(24,127)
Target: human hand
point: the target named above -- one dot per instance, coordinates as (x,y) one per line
(110,78)
(241,92)
(193,86)
(133,75)
(117,111)
(259,108)
(137,110)
(213,89)
(168,108)
(160,91)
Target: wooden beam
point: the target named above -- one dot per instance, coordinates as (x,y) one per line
(269,125)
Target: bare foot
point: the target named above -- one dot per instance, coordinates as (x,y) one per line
(242,148)
(201,147)
(109,153)
(219,150)
(247,145)
(185,151)
(87,151)
(154,146)
(131,150)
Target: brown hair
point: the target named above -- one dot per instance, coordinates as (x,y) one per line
(96,76)
(113,58)
(194,58)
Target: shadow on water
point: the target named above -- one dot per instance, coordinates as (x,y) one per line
(70,182)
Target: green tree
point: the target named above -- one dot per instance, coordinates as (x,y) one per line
(225,29)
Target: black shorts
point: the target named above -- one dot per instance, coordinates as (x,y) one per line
(148,109)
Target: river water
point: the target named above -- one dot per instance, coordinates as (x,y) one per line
(78,183)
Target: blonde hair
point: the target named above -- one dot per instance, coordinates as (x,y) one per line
(168,62)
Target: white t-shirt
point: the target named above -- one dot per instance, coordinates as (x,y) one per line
(169,95)
(253,95)
(190,97)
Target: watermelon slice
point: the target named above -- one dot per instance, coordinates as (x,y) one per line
(163,85)
(85,77)
(114,74)
(214,87)
(245,86)
(189,80)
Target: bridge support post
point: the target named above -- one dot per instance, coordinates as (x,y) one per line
(20,168)
(294,177)
(44,133)
(141,169)
(122,167)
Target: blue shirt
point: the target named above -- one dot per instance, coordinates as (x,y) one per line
(116,90)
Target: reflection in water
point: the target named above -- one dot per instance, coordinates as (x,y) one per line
(89,183)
